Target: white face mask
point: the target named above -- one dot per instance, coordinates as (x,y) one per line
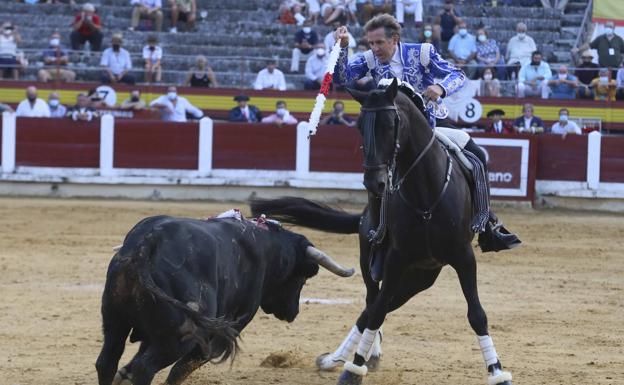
(521,35)
(563,118)
(463,32)
(307,29)
(609,31)
(172,95)
(280,111)
(7,32)
(54,42)
(53,102)
(604,79)
(487,76)
(563,76)
(482,38)
(427,33)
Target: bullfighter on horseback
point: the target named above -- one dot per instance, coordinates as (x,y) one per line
(417,66)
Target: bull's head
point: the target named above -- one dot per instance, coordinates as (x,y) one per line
(281,297)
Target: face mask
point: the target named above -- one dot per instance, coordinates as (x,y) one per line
(116,47)
(307,29)
(563,76)
(521,35)
(280,111)
(463,31)
(604,79)
(172,95)
(7,31)
(53,103)
(134,98)
(482,38)
(609,31)
(563,117)
(487,76)
(55,42)
(427,33)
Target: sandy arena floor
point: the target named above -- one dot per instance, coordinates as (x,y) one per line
(555,305)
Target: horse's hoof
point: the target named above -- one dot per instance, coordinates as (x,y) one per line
(348,378)
(373,363)
(325,363)
(500,378)
(122,377)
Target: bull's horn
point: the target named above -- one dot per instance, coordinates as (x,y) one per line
(327,262)
(117,248)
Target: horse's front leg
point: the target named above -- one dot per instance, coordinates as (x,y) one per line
(466,268)
(372,318)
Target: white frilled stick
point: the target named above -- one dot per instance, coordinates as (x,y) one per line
(319,103)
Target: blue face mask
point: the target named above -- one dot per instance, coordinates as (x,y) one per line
(172,95)
(427,33)
(463,32)
(53,102)
(563,118)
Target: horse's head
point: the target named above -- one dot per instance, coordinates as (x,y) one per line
(379,126)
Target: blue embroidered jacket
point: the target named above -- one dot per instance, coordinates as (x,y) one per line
(422,65)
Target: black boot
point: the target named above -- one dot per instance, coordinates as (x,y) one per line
(496,237)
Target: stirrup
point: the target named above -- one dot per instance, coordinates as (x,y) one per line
(496,238)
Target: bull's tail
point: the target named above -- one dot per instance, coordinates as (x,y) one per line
(300,211)
(202,329)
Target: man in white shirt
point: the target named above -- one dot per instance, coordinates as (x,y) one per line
(315,69)
(519,49)
(270,78)
(151,9)
(565,126)
(152,54)
(57,110)
(533,77)
(116,63)
(32,106)
(174,108)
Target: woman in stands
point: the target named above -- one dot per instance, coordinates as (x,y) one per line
(9,38)
(201,75)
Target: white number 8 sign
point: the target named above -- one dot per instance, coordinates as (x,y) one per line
(471,111)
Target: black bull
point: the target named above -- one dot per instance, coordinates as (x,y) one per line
(185,288)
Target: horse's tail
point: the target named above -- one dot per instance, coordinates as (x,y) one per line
(300,211)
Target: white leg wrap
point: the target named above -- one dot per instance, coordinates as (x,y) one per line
(344,352)
(353,368)
(487,349)
(376,351)
(365,346)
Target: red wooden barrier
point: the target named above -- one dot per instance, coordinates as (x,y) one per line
(336,149)
(57,143)
(254,146)
(156,144)
(562,159)
(612,159)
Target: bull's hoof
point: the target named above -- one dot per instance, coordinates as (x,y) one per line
(325,363)
(500,378)
(348,378)
(373,363)
(122,377)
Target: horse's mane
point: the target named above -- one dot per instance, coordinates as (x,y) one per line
(406,106)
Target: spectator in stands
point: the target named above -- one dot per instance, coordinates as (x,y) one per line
(87,27)
(151,9)
(333,10)
(338,116)
(270,78)
(565,126)
(497,124)
(532,77)
(57,110)
(306,40)
(610,47)
(586,72)
(528,123)
(5,107)
(563,85)
(314,10)
(431,35)
(410,7)
(315,70)
(520,48)
(281,115)
(290,12)
(463,49)
(330,40)
(9,59)
(604,87)
(447,20)
(152,54)
(55,58)
(619,94)
(488,54)
(117,63)
(183,10)
(375,7)
(134,102)
(32,106)
(174,108)
(82,111)
(490,86)
(201,75)
(244,112)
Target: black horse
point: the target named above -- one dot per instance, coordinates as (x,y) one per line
(427,210)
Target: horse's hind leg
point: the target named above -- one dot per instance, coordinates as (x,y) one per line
(466,269)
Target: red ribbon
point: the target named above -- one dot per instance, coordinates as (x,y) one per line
(326,83)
